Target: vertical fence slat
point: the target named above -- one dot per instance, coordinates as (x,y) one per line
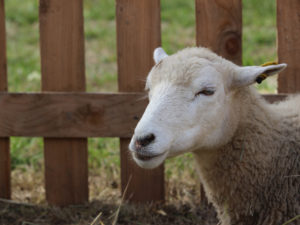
(219,27)
(5,189)
(138,34)
(62,58)
(288,33)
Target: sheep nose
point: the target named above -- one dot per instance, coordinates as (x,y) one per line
(144,141)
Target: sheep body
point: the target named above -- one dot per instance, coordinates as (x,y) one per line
(247,150)
(254,178)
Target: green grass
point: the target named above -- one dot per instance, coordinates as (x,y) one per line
(259,33)
(178,31)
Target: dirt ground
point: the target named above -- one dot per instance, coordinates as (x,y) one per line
(85,214)
(28,205)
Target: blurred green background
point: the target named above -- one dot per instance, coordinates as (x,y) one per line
(178,31)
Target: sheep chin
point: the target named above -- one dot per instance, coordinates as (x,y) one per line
(151,163)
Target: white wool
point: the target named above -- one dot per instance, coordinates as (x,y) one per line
(247,150)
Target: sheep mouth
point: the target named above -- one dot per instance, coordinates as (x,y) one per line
(144,157)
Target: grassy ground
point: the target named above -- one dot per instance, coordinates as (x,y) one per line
(259,45)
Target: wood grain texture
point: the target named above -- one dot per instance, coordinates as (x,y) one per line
(70,114)
(288,32)
(138,34)
(3,67)
(62,57)
(219,27)
(62,45)
(5,189)
(66,171)
(75,115)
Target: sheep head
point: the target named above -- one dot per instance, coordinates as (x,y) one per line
(191,95)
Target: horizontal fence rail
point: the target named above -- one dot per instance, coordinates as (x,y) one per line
(74,115)
(68,114)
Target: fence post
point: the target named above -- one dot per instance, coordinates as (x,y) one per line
(5,190)
(138,34)
(288,32)
(63,69)
(219,27)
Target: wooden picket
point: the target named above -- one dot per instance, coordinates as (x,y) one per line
(4,142)
(219,27)
(288,32)
(138,34)
(62,61)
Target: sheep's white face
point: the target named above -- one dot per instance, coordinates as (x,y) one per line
(190,106)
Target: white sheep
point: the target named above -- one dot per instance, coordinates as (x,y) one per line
(247,150)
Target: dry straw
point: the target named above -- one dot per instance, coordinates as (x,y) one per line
(97,220)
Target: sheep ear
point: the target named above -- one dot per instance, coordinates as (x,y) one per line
(159,54)
(248,75)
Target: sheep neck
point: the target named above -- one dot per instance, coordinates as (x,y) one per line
(229,173)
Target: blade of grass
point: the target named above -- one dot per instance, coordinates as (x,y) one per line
(122,200)
(97,220)
(291,220)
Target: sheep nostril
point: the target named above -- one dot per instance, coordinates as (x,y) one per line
(144,141)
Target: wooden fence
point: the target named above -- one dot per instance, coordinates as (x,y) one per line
(65,116)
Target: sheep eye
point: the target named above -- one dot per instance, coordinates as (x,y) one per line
(206,92)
